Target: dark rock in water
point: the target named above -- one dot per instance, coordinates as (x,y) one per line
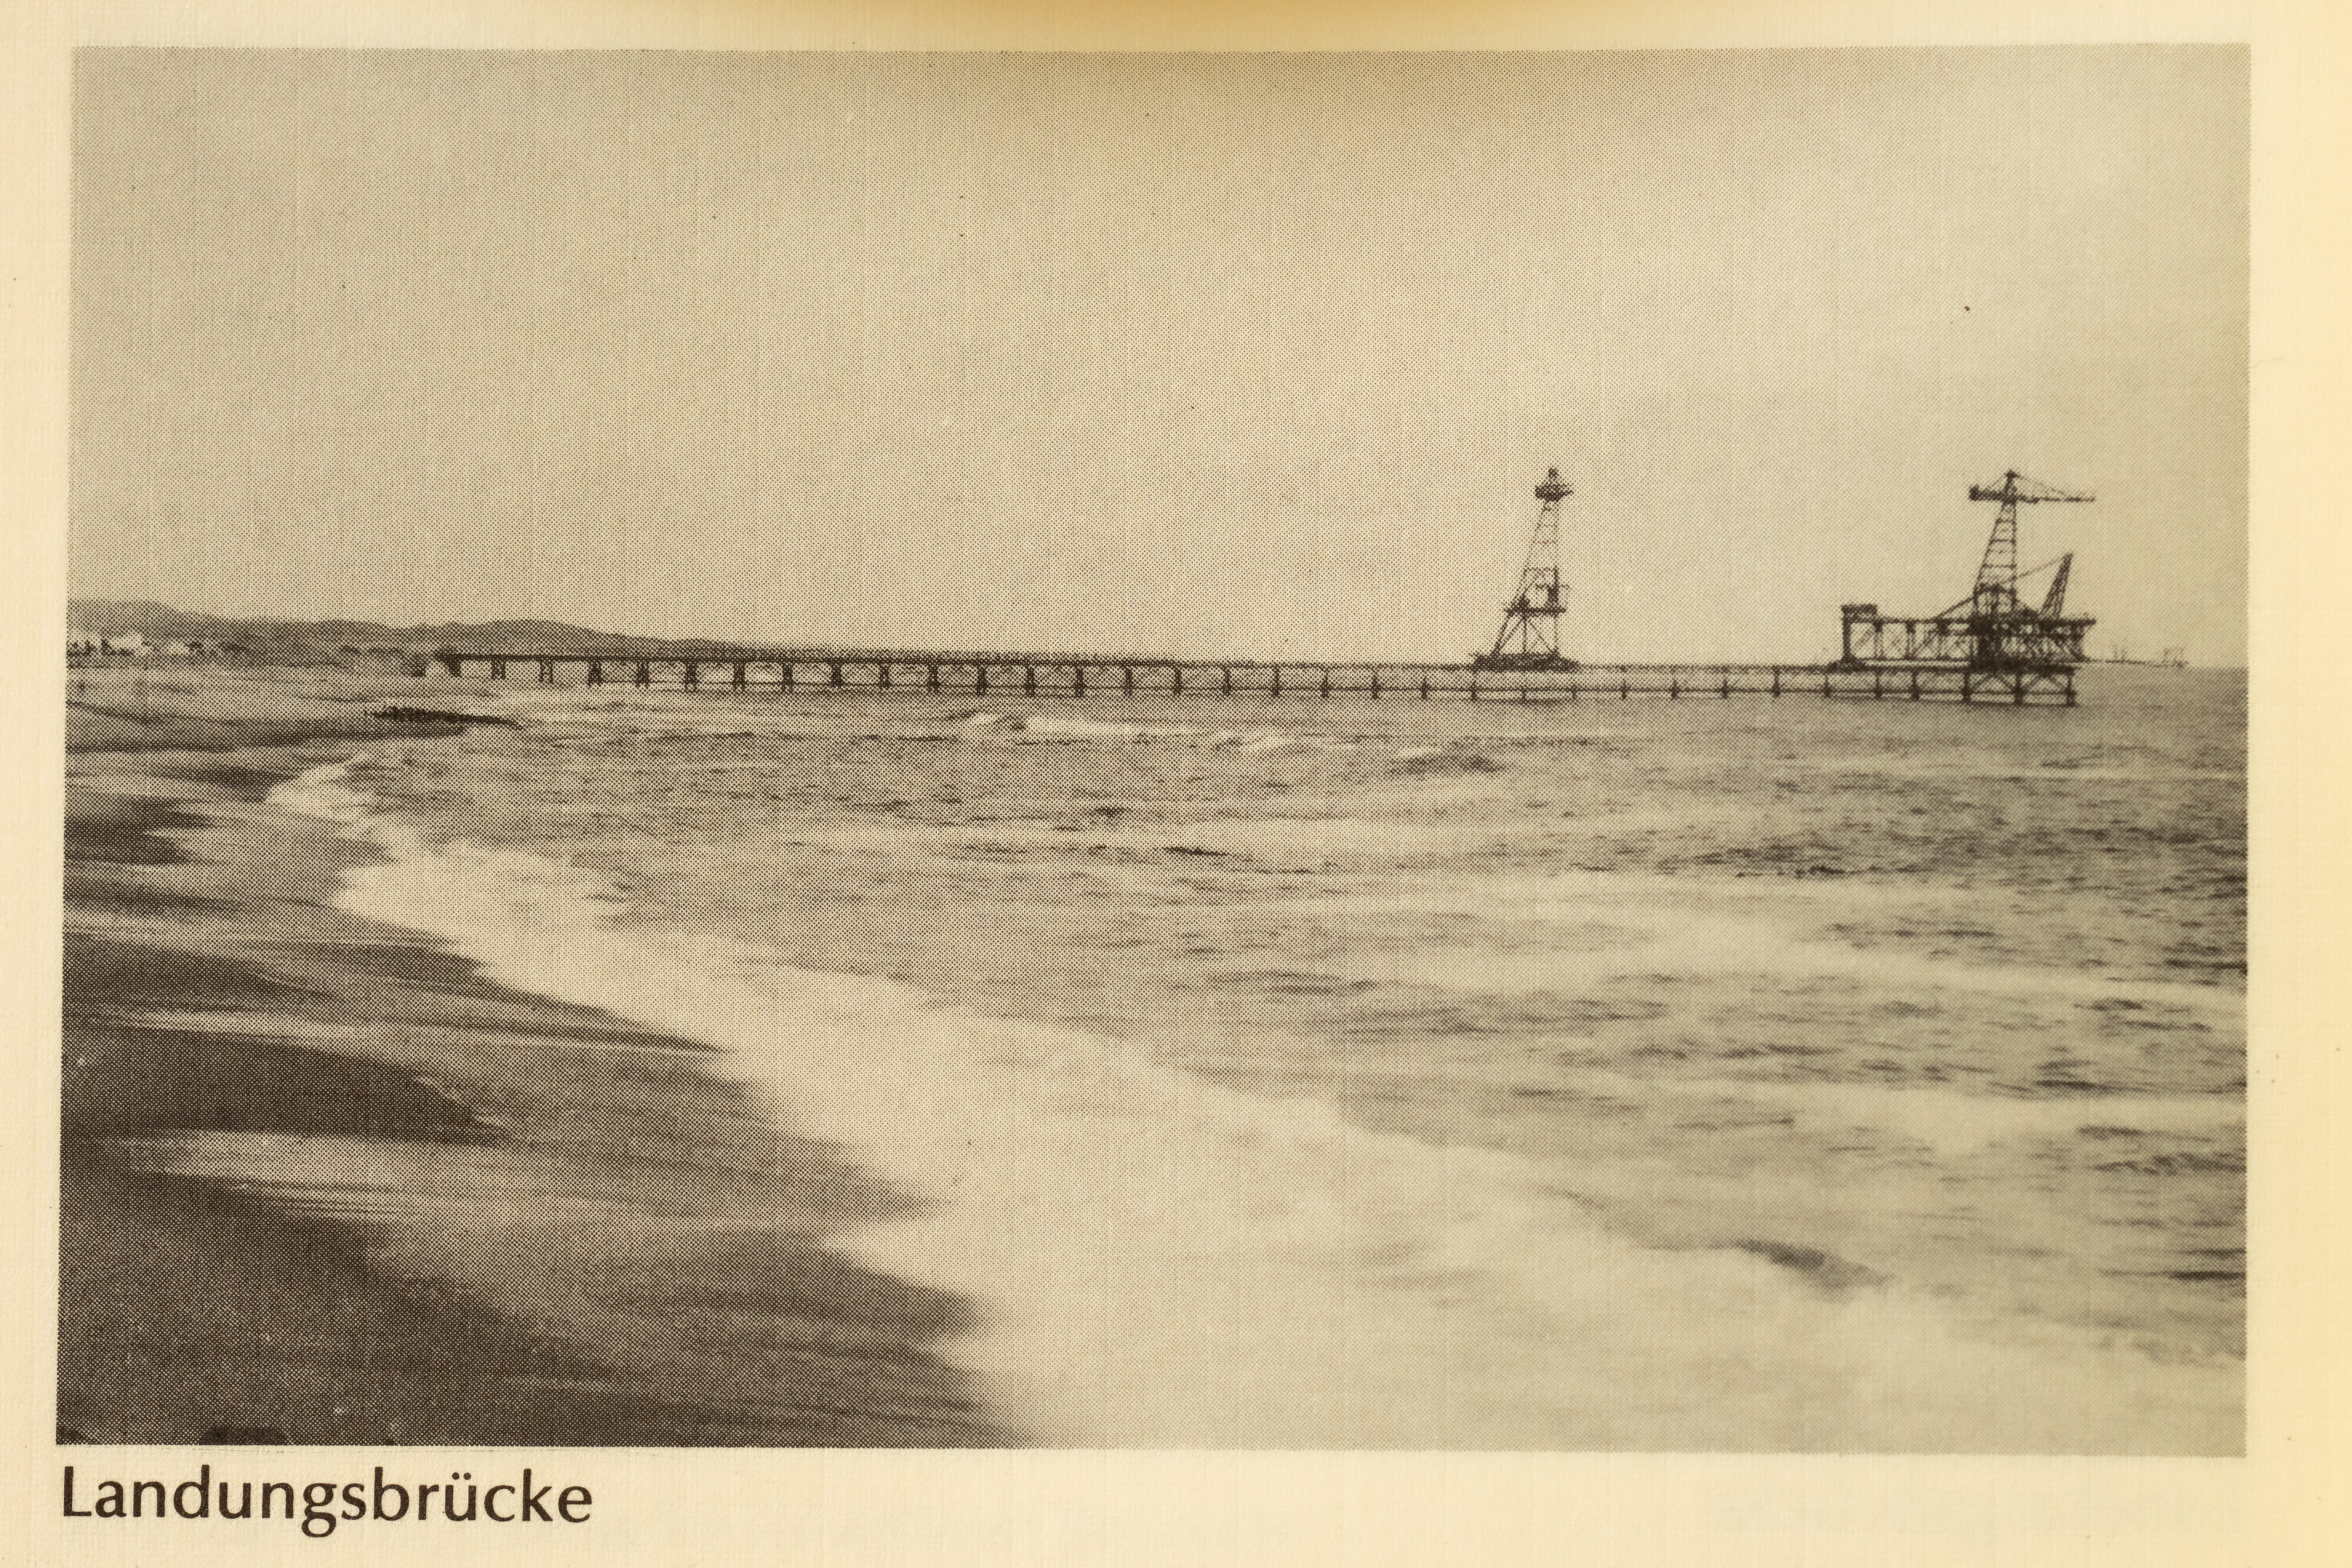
(1446,762)
(399,715)
(1826,1269)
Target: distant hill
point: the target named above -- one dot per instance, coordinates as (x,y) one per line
(313,639)
(277,642)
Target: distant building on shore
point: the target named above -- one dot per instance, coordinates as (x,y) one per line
(84,644)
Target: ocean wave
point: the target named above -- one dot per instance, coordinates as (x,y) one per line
(1270,1029)
(1434,761)
(1073,726)
(327,792)
(1125,1224)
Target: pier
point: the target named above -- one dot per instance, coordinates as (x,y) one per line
(750,670)
(1993,646)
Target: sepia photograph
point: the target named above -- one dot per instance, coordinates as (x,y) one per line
(1536,752)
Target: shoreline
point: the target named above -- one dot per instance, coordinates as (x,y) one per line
(597,1185)
(323,1182)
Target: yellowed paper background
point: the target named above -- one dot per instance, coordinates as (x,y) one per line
(2279,1506)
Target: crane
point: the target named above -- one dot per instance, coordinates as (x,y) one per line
(1996,589)
(1993,629)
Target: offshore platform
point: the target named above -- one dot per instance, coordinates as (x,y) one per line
(1992,646)
(1994,643)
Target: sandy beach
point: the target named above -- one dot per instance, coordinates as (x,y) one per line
(484,1216)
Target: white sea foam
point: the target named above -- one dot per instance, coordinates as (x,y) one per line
(1254,742)
(1956,1124)
(1162,1260)
(326,791)
(1073,727)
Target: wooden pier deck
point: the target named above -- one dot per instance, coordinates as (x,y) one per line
(983,674)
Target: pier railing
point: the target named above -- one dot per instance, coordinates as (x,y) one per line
(983,675)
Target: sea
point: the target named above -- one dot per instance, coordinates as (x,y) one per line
(1671,1076)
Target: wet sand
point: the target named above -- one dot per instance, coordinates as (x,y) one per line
(321,1183)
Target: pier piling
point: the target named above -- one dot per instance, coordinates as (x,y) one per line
(2023,684)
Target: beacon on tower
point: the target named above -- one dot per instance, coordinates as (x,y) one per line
(1529,639)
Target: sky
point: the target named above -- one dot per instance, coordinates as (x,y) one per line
(1251,355)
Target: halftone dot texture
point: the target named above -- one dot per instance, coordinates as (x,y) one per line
(841,1066)
(943,1048)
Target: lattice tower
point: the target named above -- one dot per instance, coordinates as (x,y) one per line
(1531,631)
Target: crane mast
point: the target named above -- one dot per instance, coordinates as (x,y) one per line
(1996,589)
